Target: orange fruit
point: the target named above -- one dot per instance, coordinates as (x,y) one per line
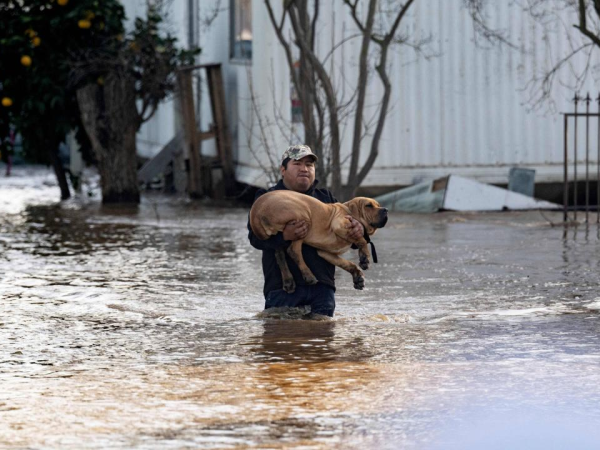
(89,15)
(7,101)
(62,2)
(84,24)
(36,41)
(26,60)
(31,33)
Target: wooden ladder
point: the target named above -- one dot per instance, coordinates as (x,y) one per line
(200,174)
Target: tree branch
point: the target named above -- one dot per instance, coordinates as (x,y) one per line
(313,27)
(582,27)
(329,97)
(362,86)
(282,40)
(388,37)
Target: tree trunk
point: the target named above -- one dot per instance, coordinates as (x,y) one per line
(306,94)
(111,120)
(330,99)
(61,176)
(349,191)
(305,82)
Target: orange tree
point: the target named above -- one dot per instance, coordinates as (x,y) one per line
(67,64)
(38,40)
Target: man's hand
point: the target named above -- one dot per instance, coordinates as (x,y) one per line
(355,229)
(295,229)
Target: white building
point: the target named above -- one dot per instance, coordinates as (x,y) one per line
(465,110)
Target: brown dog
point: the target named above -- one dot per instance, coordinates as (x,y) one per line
(328,230)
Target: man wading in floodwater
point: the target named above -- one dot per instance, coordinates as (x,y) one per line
(298,174)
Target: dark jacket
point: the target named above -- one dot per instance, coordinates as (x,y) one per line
(324,271)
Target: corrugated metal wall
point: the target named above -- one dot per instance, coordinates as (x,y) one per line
(466,109)
(466,106)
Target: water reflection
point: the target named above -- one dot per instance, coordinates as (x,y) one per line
(296,341)
(52,230)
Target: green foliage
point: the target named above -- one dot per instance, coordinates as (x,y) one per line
(49,48)
(47,33)
(153,59)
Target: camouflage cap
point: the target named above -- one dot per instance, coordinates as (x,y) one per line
(297,152)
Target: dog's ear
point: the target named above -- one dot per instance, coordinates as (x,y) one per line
(355,210)
(358,210)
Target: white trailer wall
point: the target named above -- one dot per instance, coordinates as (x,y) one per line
(465,110)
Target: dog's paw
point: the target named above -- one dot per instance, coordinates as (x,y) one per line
(289,286)
(359,282)
(310,279)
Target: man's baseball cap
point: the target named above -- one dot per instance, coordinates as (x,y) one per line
(298,152)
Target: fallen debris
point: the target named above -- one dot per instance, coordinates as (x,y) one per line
(456,193)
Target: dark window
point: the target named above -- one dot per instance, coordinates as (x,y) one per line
(241,29)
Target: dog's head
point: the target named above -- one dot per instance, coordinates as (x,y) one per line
(368,212)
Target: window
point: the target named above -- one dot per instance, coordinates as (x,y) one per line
(241,29)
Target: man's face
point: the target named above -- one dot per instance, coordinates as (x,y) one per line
(299,175)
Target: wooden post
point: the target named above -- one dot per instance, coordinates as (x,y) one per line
(217,98)
(186,92)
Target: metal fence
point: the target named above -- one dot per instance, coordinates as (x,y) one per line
(582,159)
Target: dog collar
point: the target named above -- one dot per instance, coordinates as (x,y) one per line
(373,251)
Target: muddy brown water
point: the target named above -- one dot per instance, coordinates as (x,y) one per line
(142,328)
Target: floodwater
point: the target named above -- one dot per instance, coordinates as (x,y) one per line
(142,328)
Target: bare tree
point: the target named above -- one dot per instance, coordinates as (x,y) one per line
(324,108)
(578,22)
(378,28)
(260,129)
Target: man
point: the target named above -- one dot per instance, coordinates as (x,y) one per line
(298,174)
